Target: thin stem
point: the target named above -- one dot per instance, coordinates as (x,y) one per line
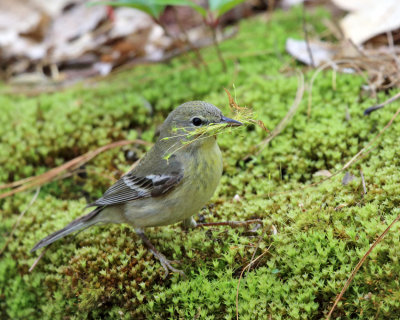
(38,259)
(169,34)
(241,276)
(217,48)
(232,224)
(381,105)
(306,36)
(69,166)
(187,40)
(358,266)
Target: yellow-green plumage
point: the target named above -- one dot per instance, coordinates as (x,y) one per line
(171,183)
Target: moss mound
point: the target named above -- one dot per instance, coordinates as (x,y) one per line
(105,272)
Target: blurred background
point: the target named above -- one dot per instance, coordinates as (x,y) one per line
(62,41)
(84,87)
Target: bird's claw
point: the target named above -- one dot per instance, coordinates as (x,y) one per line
(166,264)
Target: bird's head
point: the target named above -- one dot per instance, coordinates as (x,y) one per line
(195,118)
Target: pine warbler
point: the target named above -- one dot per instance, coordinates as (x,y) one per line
(171,183)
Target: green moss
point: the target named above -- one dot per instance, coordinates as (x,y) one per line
(105,272)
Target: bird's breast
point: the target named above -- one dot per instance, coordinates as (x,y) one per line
(202,173)
(205,169)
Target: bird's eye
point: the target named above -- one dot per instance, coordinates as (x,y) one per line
(197,122)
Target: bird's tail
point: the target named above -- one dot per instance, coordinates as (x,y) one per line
(78,224)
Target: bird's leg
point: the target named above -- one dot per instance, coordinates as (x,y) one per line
(232,224)
(163,260)
(189,223)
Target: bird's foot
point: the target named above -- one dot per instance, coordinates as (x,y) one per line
(166,264)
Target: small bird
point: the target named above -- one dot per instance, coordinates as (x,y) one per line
(171,183)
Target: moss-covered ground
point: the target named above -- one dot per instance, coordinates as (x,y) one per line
(105,272)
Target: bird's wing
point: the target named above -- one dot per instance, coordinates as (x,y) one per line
(134,186)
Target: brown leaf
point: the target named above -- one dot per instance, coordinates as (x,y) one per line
(368,18)
(321,52)
(323,173)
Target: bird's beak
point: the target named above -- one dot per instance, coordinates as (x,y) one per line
(230,122)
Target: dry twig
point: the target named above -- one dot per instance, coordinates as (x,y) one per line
(69,166)
(359,264)
(303,18)
(391,47)
(241,275)
(363,182)
(381,105)
(38,259)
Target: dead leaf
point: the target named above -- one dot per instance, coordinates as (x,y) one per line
(368,18)
(321,52)
(340,206)
(128,21)
(286,4)
(72,35)
(19,18)
(54,7)
(322,173)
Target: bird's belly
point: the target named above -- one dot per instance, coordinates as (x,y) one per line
(187,199)
(165,210)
